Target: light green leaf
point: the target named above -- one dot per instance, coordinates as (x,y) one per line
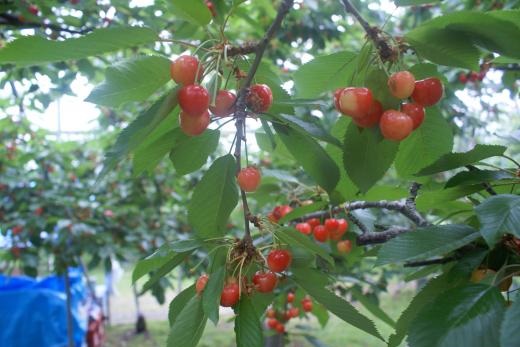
(146,158)
(435,199)
(165,269)
(214,198)
(366,156)
(195,12)
(34,50)
(131,81)
(425,145)
(151,263)
(187,329)
(371,306)
(425,243)
(296,239)
(191,152)
(179,302)
(498,215)
(248,329)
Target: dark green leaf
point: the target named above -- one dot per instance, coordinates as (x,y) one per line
(371,306)
(214,198)
(179,302)
(425,243)
(146,158)
(307,128)
(474,177)
(165,269)
(191,152)
(510,329)
(498,215)
(184,245)
(187,329)
(151,263)
(452,161)
(213,289)
(248,329)
(297,239)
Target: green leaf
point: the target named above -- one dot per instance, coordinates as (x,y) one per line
(498,215)
(425,145)
(436,199)
(248,329)
(371,306)
(34,50)
(131,81)
(146,158)
(137,132)
(469,315)
(214,198)
(302,211)
(179,302)
(191,152)
(213,289)
(377,81)
(184,245)
(425,243)
(452,161)
(187,329)
(311,156)
(366,156)
(297,239)
(195,12)
(510,329)
(474,177)
(324,73)
(314,282)
(313,128)
(414,2)
(151,263)
(165,269)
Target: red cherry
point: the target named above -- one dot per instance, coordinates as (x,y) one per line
(193,125)
(395,125)
(372,117)
(271,313)
(280,328)
(74,2)
(331,224)
(278,260)
(321,234)
(355,102)
(265,282)
(337,94)
(294,312)
(260,98)
(427,92)
(307,305)
(290,297)
(463,78)
(473,76)
(16,251)
(224,104)
(340,230)
(249,179)
(230,295)
(344,246)
(272,323)
(33,9)
(38,211)
(414,111)
(313,222)
(184,69)
(304,228)
(201,283)
(193,99)
(17,229)
(481,75)
(401,84)
(211,8)
(280,211)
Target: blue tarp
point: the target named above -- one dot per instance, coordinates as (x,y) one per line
(33,313)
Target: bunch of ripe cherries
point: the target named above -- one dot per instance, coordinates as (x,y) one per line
(275,319)
(367,112)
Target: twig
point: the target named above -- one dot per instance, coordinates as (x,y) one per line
(10,20)
(361,226)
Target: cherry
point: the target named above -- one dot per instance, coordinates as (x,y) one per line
(33,9)
(414,111)
(17,229)
(372,117)
(337,94)
(211,8)
(16,251)
(230,294)
(313,222)
(224,104)
(184,69)
(38,211)
(401,84)
(280,328)
(201,283)
(278,260)
(331,224)
(321,234)
(344,246)
(355,102)
(271,313)
(290,297)
(249,179)
(307,305)
(294,312)
(281,211)
(260,98)
(395,125)
(340,230)
(427,92)
(304,228)
(193,99)
(463,78)
(193,125)
(265,281)
(272,323)
(473,76)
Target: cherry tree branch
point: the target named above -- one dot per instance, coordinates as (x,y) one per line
(240,106)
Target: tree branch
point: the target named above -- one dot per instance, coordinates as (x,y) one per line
(382,236)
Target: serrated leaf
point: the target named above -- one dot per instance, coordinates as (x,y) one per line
(214,198)
(248,329)
(458,317)
(195,12)
(311,156)
(366,156)
(34,50)
(452,161)
(324,73)
(297,239)
(425,243)
(191,152)
(474,177)
(302,211)
(187,329)
(146,158)
(313,128)
(131,81)
(435,199)
(213,289)
(165,269)
(179,302)
(498,215)
(371,306)
(313,282)
(321,314)
(151,263)
(510,329)
(425,145)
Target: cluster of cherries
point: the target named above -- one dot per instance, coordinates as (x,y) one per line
(278,260)
(276,319)
(194,99)
(473,76)
(366,111)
